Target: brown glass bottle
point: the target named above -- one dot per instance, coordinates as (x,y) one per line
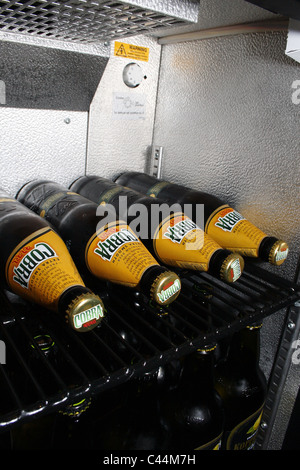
(242,387)
(168,233)
(37,266)
(192,413)
(136,426)
(53,429)
(229,228)
(110,251)
(71,428)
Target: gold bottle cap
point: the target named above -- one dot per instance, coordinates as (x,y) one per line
(76,409)
(85,312)
(166,288)
(278,253)
(207,348)
(232,267)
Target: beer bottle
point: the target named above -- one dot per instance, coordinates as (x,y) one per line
(137,426)
(71,426)
(223,223)
(59,430)
(109,250)
(170,235)
(36,433)
(242,387)
(192,413)
(37,266)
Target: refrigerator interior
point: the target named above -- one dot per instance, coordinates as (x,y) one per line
(217,102)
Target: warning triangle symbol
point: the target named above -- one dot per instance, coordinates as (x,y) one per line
(121,51)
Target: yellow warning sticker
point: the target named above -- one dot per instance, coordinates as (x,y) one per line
(130,51)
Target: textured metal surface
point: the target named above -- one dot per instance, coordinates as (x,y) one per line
(116,142)
(277,382)
(218,13)
(38,143)
(226,120)
(42,78)
(227,123)
(89,21)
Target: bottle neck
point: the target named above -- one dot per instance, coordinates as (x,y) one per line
(198,370)
(245,346)
(149,277)
(69,295)
(265,247)
(145,388)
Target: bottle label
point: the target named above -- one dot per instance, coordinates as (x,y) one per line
(40,268)
(232,231)
(178,241)
(50,201)
(7,199)
(169,290)
(109,194)
(116,253)
(156,188)
(214,444)
(281,255)
(88,317)
(243,436)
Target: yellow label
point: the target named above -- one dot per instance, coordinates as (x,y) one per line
(243,436)
(116,253)
(214,444)
(178,241)
(40,268)
(232,231)
(130,51)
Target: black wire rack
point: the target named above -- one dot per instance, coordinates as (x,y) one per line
(134,337)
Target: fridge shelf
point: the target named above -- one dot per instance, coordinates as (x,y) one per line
(134,338)
(90,22)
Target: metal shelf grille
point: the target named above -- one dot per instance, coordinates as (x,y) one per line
(134,338)
(82,21)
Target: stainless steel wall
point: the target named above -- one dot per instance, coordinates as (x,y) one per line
(227,123)
(44,109)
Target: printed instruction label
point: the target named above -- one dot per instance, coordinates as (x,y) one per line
(128,106)
(131,51)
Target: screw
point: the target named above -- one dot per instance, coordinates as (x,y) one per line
(263,425)
(291,325)
(67,120)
